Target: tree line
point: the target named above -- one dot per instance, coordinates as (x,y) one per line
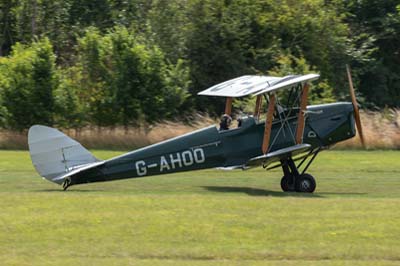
(73,63)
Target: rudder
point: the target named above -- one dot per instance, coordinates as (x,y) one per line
(53,153)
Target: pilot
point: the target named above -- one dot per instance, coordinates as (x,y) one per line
(240,121)
(225,123)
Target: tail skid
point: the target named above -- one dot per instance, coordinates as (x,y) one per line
(56,156)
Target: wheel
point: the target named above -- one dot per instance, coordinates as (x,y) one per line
(66,183)
(285,185)
(305,183)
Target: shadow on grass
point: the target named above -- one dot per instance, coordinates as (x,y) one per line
(260,192)
(67,191)
(264,192)
(342,193)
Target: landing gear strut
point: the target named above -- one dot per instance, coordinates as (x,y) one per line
(292,180)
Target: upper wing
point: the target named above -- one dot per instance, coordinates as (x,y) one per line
(254,85)
(239,87)
(287,82)
(278,155)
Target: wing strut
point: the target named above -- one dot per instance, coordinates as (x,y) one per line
(228,105)
(268,123)
(301,117)
(258,107)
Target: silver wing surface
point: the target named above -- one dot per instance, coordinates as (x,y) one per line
(276,156)
(255,85)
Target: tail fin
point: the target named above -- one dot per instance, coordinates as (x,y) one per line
(54,154)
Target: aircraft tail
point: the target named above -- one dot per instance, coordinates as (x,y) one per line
(55,155)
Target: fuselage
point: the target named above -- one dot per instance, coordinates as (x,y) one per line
(325,125)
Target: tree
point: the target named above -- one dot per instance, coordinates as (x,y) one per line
(376,33)
(127,81)
(218,47)
(166,26)
(86,13)
(28,85)
(142,80)
(7,26)
(70,110)
(320,92)
(315,30)
(94,62)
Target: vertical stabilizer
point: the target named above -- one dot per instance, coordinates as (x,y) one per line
(53,153)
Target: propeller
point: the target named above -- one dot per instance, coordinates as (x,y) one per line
(355,105)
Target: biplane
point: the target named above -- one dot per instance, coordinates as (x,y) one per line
(290,136)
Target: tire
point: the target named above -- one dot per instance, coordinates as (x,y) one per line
(285,184)
(305,183)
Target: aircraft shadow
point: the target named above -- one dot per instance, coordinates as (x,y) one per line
(259,192)
(69,190)
(342,193)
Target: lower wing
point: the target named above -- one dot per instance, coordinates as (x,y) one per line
(277,155)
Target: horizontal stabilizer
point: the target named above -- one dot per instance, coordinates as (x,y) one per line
(82,168)
(278,155)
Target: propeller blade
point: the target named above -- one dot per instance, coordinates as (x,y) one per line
(355,106)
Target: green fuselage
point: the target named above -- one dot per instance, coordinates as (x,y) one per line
(208,148)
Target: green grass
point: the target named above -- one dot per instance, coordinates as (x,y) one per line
(205,217)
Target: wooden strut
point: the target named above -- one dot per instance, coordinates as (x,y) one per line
(257,110)
(301,116)
(268,123)
(228,105)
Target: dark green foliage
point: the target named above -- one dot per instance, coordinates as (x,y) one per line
(217,46)
(7,22)
(44,83)
(84,13)
(117,62)
(231,38)
(376,26)
(69,106)
(289,64)
(177,82)
(27,85)
(127,81)
(92,62)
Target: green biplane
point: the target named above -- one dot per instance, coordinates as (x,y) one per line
(291,131)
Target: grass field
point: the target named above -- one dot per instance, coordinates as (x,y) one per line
(206,217)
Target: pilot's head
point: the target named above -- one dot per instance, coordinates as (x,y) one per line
(227,120)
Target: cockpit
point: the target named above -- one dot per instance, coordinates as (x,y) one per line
(227,123)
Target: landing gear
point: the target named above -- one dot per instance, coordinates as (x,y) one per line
(286,185)
(288,181)
(67,182)
(293,181)
(305,183)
